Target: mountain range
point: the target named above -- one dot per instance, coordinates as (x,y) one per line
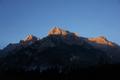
(59,48)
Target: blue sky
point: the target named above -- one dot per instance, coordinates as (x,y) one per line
(89,18)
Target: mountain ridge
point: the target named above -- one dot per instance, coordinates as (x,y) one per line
(56,31)
(59,47)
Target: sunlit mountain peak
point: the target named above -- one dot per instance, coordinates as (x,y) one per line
(29,39)
(57,31)
(101,40)
(61,32)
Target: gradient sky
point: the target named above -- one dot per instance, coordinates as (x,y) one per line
(89,18)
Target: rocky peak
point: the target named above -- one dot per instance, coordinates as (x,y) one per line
(61,32)
(57,31)
(29,40)
(101,40)
(66,36)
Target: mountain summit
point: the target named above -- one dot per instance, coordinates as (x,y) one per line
(64,35)
(102,40)
(57,31)
(29,40)
(61,32)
